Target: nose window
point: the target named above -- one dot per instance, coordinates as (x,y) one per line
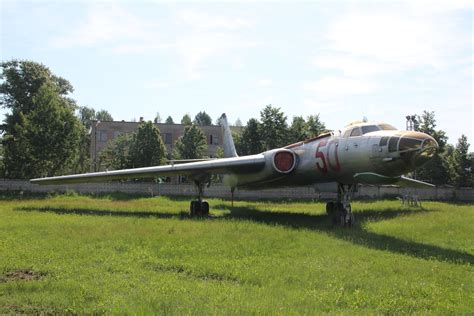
(392,144)
(409,144)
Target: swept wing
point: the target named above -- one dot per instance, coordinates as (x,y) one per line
(199,169)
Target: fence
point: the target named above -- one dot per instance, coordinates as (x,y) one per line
(318,192)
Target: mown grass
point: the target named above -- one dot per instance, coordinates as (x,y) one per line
(115,254)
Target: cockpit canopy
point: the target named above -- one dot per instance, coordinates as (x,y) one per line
(361,129)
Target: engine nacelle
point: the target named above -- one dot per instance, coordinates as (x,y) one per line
(283,160)
(278,163)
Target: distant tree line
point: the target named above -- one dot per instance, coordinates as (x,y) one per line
(45,133)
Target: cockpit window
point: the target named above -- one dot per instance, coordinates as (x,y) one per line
(409,144)
(369,128)
(356,132)
(387,127)
(393,144)
(347,133)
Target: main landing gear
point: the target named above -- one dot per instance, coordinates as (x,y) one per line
(199,207)
(341,210)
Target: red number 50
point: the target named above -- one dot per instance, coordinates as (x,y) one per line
(319,154)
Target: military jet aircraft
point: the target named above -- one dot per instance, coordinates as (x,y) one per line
(364,152)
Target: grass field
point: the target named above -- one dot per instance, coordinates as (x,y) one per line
(116,254)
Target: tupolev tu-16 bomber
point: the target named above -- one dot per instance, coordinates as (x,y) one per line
(364,152)
(236,158)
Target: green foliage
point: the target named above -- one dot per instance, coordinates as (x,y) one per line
(273,128)
(21,81)
(463,167)
(117,255)
(41,132)
(103,116)
(116,155)
(2,153)
(202,119)
(298,130)
(437,169)
(315,126)
(186,120)
(86,116)
(192,145)
(250,141)
(147,147)
(427,124)
(169,120)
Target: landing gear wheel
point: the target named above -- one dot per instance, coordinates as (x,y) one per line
(199,208)
(204,208)
(330,208)
(194,208)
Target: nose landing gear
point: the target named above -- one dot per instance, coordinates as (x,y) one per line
(341,211)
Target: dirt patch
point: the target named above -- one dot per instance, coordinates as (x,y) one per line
(22,274)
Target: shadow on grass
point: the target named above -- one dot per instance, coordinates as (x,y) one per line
(63,210)
(358,234)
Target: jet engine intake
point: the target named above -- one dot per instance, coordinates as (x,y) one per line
(284,161)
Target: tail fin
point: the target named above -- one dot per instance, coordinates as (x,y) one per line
(229,147)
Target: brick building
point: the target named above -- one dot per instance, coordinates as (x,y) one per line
(105,132)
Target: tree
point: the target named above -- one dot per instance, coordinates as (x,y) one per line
(116,155)
(238,123)
(315,126)
(186,120)
(462,165)
(2,167)
(169,120)
(274,128)
(298,130)
(41,133)
(426,123)
(250,141)
(147,147)
(192,145)
(103,116)
(437,169)
(86,116)
(202,119)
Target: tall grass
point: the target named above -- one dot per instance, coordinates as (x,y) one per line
(115,254)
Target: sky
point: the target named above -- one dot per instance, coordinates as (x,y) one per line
(345,60)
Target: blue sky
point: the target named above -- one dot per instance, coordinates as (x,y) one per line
(344,60)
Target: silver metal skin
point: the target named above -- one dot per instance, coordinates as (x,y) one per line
(369,153)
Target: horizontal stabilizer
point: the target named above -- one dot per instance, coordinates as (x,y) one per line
(378,179)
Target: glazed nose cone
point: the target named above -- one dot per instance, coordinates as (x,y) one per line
(417,148)
(429,148)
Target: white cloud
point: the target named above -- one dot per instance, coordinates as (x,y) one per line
(351,65)
(108,25)
(337,86)
(409,36)
(265,82)
(195,37)
(203,20)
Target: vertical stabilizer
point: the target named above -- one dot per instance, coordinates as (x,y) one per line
(229,147)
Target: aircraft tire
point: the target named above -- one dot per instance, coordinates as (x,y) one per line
(204,208)
(330,208)
(194,208)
